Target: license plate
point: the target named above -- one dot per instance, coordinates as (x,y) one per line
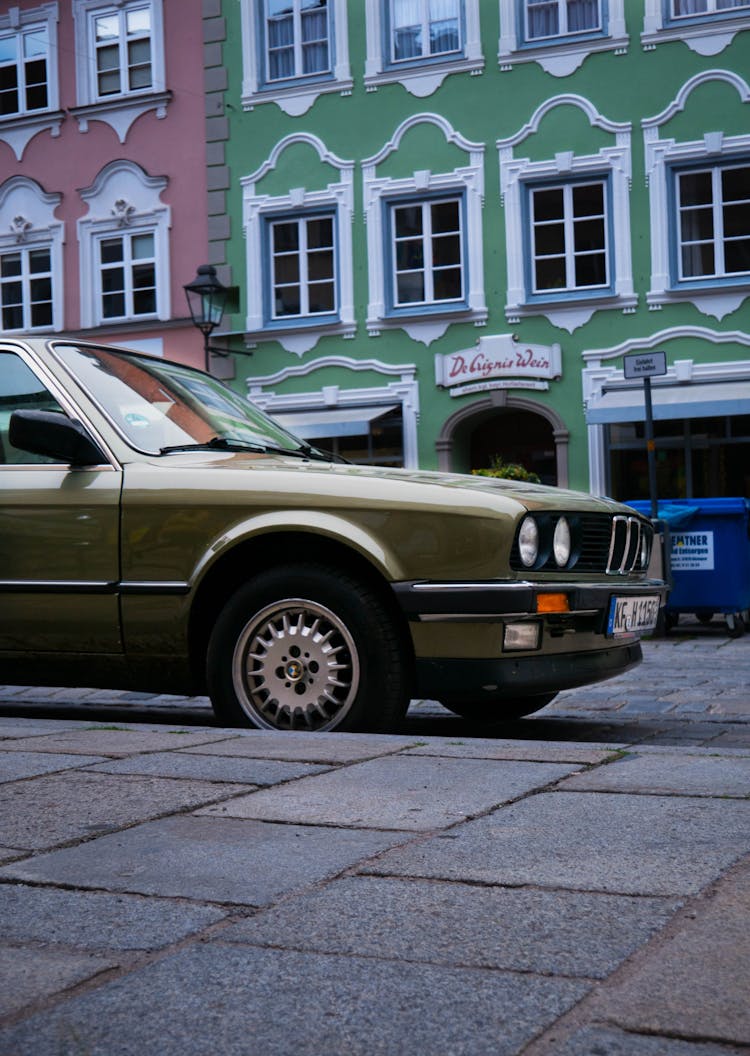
(632,615)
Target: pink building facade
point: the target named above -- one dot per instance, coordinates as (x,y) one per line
(102,170)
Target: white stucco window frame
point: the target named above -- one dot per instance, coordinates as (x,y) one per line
(467,181)
(600,372)
(403,390)
(706,35)
(612,163)
(419,79)
(27,221)
(294,96)
(118,111)
(661,155)
(257,208)
(558,56)
(123,199)
(18,131)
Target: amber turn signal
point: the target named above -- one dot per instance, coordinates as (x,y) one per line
(552,603)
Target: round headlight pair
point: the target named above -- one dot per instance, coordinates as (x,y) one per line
(528,542)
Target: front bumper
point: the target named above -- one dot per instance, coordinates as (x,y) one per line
(458,634)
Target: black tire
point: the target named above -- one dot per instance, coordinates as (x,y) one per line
(306,648)
(492,713)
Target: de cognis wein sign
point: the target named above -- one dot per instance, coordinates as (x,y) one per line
(498,361)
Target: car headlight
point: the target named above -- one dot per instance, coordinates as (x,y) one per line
(561,542)
(645,555)
(528,541)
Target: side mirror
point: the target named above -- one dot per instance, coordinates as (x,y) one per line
(51,434)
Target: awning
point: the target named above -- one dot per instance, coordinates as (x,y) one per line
(338,421)
(709,400)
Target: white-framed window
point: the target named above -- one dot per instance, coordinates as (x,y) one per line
(31,271)
(420,42)
(120,68)
(712,222)
(26,289)
(567,222)
(124,247)
(699,208)
(293,51)
(427,254)
(706,26)
(127,275)
(424,240)
(297,36)
(299,252)
(302,251)
(568,240)
(424,29)
(559,34)
(29,96)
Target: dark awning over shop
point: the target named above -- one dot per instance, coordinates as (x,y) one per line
(627,404)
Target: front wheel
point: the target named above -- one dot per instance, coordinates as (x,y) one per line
(306,648)
(492,713)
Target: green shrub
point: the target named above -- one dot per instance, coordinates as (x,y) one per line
(507,470)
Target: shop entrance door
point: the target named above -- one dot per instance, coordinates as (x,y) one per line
(516,436)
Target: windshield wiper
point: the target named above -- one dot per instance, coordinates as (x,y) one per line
(228,443)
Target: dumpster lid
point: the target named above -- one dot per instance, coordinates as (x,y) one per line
(677,512)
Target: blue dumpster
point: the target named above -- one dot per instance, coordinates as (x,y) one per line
(709,557)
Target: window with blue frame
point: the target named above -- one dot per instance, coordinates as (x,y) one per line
(568,225)
(302,255)
(688,9)
(426,253)
(424,29)
(552,19)
(712,223)
(297,39)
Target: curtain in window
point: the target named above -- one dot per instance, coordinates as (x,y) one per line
(582,15)
(690,7)
(444,35)
(407,29)
(543,18)
(315,40)
(281,47)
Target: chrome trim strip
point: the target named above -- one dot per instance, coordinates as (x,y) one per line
(491,617)
(80,586)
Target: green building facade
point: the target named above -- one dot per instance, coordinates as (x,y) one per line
(449,221)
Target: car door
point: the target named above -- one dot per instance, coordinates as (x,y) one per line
(59,533)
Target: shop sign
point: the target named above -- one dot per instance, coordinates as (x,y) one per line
(498,361)
(692,551)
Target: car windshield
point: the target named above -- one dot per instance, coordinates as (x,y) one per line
(161,407)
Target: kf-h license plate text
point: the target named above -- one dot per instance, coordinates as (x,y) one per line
(632,615)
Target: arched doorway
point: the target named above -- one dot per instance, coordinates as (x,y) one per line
(511,427)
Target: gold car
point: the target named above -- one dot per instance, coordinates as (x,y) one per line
(158,532)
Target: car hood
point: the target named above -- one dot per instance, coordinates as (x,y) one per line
(358,479)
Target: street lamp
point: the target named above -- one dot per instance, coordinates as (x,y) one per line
(206,297)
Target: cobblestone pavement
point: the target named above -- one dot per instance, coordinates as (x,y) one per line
(573,884)
(693,687)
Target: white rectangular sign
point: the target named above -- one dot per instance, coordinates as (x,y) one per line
(645,365)
(498,356)
(692,551)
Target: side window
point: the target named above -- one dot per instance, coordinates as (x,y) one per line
(26,289)
(20,390)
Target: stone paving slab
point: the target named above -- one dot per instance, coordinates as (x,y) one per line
(684,775)
(17,765)
(97,740)
(521,750)
(211,859)
(412,794)
(601,1041)
(664,994)
(89,920)
(12,728)
(53,809)
(521,930)
(29,975)
(278,1002)
(254,772)
(307,747)
(584,841)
